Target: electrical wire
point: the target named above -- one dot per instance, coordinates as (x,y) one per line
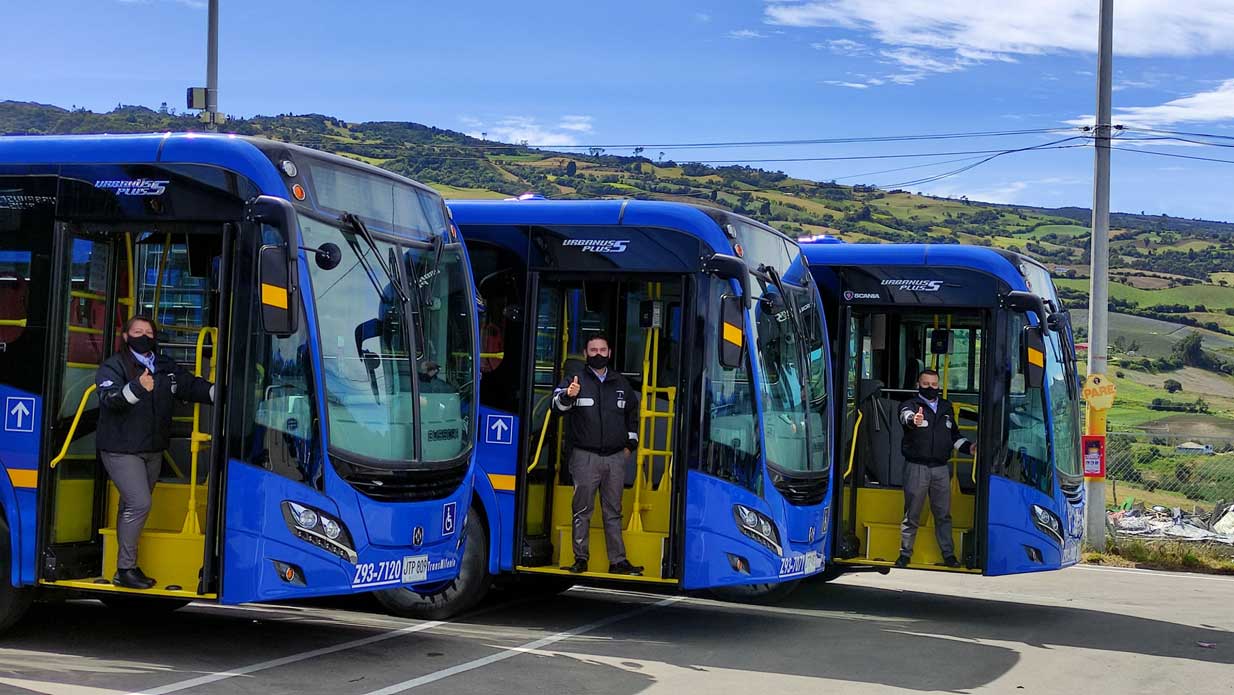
(1054,145)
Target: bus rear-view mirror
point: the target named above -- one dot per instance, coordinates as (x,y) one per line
(1034,357)
(276,264)
(732,332)
(278,316)
(1025,302)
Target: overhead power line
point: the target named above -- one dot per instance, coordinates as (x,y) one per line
(736,143)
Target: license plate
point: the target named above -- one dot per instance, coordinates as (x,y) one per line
(415,568)
(813,562)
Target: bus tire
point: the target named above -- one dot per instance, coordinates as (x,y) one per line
(14,601)
(142,605)
(762,594)
(471,585)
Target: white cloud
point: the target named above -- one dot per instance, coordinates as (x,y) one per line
(577,124)
(517,129)
(842,47)
(1201,107)
(850,85)
(961,33)
(746,34)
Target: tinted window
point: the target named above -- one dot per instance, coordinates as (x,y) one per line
(730,425)
(27,219)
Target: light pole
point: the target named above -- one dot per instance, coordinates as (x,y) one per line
(1099,282)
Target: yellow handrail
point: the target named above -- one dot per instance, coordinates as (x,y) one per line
(543,432)
(68,438)
(20,323)
(192,525)
(158,280)
(132,298)
(852,449)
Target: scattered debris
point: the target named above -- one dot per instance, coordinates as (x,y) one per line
(1175,524)
(1206,645)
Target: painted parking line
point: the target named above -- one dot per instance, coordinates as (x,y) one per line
(290,659)
(521,649)
(1155,573)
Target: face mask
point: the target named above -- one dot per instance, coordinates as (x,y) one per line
(143,343)
(928,392)
(597,362)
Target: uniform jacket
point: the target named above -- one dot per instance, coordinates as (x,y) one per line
(932,443)
(603,418)
(133,420)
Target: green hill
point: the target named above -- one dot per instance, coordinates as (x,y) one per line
(1171,272)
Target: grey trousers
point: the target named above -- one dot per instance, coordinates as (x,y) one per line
(134,476)
(919,481)
(607,474)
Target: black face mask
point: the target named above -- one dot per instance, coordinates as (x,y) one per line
(143,344)
(928,392)
(597,362)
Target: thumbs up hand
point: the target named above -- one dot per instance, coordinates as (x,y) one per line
(147,381)
(919,418)
(573,389)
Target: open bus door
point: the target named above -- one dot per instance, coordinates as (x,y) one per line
(643,318)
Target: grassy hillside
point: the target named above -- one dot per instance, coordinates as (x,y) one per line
(1173,276)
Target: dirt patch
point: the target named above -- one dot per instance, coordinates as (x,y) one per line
(1195,381)
(1145,283)
(1192,425)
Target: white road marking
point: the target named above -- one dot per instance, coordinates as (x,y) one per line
(1156,573)
(521,649)
(283,661)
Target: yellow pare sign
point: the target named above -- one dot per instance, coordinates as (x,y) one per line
(1099,392)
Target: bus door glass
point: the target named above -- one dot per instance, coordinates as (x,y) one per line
(90,280)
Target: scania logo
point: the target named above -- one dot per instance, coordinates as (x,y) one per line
(417,536)
(811,534)
(851,295)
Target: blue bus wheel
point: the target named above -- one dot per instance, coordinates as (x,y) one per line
(467,590)
(14,601)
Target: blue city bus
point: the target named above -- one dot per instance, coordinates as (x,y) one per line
(717,324)
(313,290)
(992,324)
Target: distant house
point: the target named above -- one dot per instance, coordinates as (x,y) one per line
(1195,449)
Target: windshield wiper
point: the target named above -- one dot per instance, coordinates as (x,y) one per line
(789,305)
(363,232)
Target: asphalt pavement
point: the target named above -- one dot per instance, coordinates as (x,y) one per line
(1080,630)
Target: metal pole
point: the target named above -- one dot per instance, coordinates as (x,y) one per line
(212,64)
(1099,290)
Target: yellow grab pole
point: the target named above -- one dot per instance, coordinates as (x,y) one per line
(68,438)
(192,525)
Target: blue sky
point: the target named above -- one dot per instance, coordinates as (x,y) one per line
(642,72)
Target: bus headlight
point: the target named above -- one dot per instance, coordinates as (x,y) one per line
(322,530)
(758,527)
(1047,521)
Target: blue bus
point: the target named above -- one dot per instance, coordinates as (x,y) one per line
(716,322)
(992,324)
(313,290)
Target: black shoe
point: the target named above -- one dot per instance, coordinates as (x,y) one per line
(578,567)
(950,561)
(902,561)
(624,567)
(132,578)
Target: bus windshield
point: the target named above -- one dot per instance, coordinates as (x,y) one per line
(365,356)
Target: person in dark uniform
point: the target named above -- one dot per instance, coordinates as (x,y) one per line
(430,382)
(931,432)
(137,387)
(602,419)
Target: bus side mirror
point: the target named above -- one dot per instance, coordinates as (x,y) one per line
(276,265)
(1034,357)
(732,332)
(728,267)
(278,315)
